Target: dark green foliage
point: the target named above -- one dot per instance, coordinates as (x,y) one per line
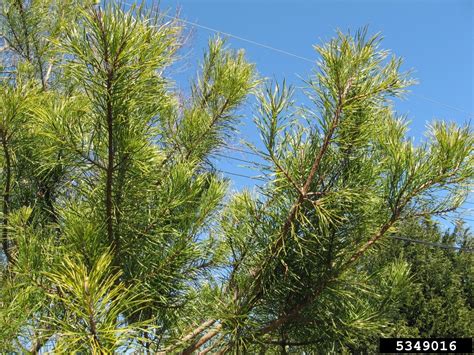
(440,301)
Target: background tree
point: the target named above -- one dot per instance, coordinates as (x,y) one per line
(439,304)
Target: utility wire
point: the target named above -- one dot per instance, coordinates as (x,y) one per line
(238,159)
(239,38)
(242,175)
(436,245)
(282,51)
(417,241)
(465,209)
(243,151)
(312,61)
(470,115)
(258,164)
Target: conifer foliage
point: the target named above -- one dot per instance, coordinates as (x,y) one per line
(116,231)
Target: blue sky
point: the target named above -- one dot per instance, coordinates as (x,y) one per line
(434,37)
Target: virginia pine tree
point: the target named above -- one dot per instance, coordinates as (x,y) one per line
(118,233)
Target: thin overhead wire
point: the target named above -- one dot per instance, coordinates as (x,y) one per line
(242,175)
(266,46)
(237,159)
(282,51)
(431,244)
(467,209)
(243,151)
(469,114)
(463,209)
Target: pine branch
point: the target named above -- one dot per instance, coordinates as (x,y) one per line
(203,340)
(189,336)
(21,10)
(276,247)
(6,198)
(110,169)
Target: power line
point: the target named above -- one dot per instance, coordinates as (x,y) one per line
(262,179)
(238,159)
(443,104)
(282,51)
(243,151)
(242,175)
(417,241)
(258,164)
(465,209)
(436,245)
(266,46)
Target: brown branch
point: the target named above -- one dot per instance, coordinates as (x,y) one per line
(385,227)
(305,190)
(40,66)
(21,10)
(295,311)
(190,335)
(90,160)
(212,346)
(204,339)
(313,171)
(189,151)
(214,121)
(110,167)
(109,113)
(373,240)
(287,175)
(6,199)
(309,299)
(30,55)
(92,321)
(393,219)
(39,343)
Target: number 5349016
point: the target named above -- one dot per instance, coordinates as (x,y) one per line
(426,345)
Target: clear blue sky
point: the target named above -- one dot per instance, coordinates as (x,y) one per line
(434,37)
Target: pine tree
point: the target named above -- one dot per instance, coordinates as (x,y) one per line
(134,194)
(116,231)
(341,178)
